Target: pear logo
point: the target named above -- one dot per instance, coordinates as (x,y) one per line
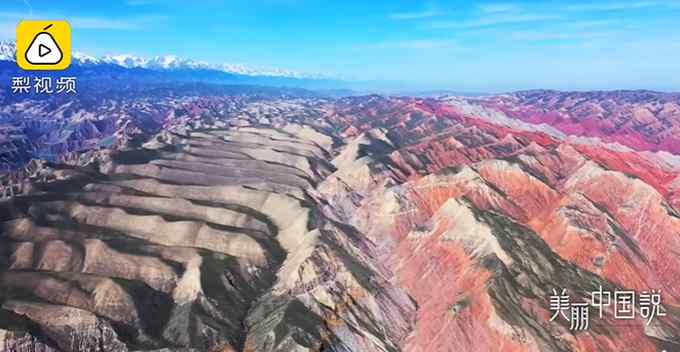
(43,49)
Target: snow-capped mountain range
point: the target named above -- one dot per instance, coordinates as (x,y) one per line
(167,62)
(7,51)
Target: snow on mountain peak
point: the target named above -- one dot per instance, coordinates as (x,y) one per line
(7,51)
(127,61)
(172,62)
(167,62)
(85,59)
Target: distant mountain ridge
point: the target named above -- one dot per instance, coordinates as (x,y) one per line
(121,72)
(169,68)
(168,62)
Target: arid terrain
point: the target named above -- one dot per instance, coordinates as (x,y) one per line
(371,223)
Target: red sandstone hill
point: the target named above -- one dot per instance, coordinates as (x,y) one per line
(480,221)
(641,120)
(359,224)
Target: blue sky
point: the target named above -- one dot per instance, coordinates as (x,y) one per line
(483,46)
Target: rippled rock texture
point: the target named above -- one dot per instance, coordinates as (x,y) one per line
(479,218)
(357,224)
(216,241)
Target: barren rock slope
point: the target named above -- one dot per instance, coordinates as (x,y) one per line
(358,224)
(213,240)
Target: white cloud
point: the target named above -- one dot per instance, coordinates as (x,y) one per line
(417,44)
(537,36)
(607,23)
(414,15)
(615,6)
(493,20)
(125,24)
(561,36)
(498,8)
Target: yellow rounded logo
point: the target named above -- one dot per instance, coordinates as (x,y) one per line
(43,45)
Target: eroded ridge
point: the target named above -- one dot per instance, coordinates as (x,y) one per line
(479,223)
(213,240)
